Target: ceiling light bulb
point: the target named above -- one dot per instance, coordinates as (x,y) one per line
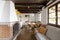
(28,6)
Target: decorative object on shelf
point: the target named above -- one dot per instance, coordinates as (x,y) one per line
(18,12)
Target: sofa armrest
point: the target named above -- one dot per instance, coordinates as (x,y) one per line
(40,36)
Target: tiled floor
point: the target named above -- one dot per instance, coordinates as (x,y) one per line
(26,34)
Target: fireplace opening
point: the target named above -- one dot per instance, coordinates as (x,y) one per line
(15,28)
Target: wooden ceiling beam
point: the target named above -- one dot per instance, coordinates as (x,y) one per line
(28,8)
(30,3)
(30,11)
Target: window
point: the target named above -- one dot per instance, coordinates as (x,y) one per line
(39,17)
(58,12)
(54,15)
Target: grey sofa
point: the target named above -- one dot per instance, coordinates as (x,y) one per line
(53,33)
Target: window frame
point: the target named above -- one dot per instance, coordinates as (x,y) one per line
(56,7)
(57,14)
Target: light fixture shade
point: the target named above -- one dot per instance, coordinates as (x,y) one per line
(7,11)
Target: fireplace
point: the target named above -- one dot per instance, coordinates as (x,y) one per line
(8,17)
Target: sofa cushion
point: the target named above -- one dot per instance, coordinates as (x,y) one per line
(42,30)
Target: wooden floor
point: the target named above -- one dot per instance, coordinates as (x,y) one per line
(26,34)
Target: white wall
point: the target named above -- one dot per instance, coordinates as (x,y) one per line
(38,16)
(4,11)
(7,11)
(30,18)
(43,16)
(13,16)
